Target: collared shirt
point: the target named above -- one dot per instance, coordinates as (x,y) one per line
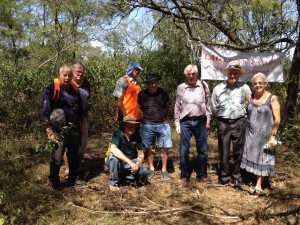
(229,102)
(122,85)
(192,101)
(129,148)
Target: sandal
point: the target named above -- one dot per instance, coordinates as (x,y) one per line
(258,193)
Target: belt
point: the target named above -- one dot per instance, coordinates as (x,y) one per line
(229,121)
(193,118)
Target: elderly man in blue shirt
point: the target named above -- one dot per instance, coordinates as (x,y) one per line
(228,104)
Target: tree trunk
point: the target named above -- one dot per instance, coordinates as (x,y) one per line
(292,90)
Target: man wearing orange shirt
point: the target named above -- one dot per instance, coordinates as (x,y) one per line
(126,92)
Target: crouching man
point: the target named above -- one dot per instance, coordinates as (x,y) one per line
(126,155)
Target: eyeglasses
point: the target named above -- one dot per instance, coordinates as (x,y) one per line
(258,83)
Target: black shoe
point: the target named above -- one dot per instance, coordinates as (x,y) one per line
(55,184)
(69,183)
(221,182)
(237,185)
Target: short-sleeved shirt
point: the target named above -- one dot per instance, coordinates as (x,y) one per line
(229,101)
(69,101)
(122,85)
(154,106)
(129,148)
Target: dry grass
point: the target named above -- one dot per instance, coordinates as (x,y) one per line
(160,202)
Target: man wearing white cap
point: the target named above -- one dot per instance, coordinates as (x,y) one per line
(228,104)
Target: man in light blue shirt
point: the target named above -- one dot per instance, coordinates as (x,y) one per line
(228,104)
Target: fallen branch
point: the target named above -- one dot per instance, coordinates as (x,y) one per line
(210,215)
(180,209)
(160,206)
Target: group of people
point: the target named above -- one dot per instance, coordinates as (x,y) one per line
(244,120)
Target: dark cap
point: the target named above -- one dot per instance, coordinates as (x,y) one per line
(151,77)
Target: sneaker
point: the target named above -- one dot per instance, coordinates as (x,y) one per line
(184,182)
(166,175)
(151,174)
(114,188)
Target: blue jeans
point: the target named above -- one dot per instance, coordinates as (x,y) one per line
(162,131)
(198,129)
(120,170)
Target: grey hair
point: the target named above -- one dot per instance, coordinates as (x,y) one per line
(63,67)
(260,75)
(190,68)
(79,65)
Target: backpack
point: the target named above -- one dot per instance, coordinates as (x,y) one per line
(107,153)
(56,91)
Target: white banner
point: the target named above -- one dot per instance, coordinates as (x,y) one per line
(213,60)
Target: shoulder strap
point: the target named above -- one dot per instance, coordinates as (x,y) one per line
(56,91)
(75,86)
(127,79)
(205,90)
(269,100)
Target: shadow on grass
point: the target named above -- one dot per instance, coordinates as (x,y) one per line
(91,168)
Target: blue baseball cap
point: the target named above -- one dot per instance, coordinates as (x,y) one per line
(132,66)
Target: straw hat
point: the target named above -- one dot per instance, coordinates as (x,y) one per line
(234,65)
(129,119)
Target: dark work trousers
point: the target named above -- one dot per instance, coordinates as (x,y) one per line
(69,139)
(230,133)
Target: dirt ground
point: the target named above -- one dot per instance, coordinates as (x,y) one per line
(166,202)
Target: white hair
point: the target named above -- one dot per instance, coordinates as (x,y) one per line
(191,68)
(63,67)
(78,65)
(261,76)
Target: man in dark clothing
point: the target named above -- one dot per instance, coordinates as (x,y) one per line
(153,103)
(68,135)
(84,90)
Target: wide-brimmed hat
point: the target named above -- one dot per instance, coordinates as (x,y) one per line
(234,65)
(132,66)
(129,119)
(151,77)
(58,118)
